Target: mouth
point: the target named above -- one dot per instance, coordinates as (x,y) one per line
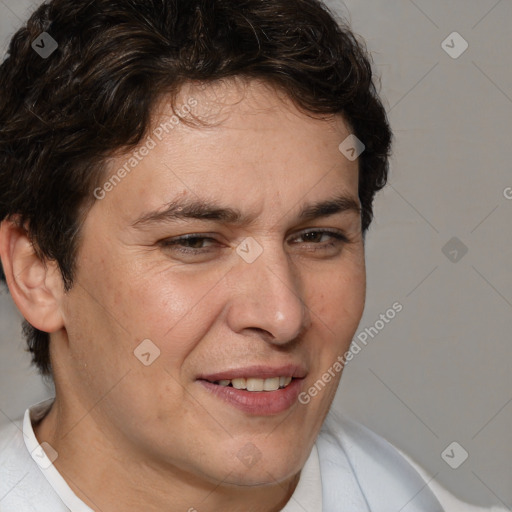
(258,390)
(256,384)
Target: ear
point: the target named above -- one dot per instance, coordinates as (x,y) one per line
(36,286)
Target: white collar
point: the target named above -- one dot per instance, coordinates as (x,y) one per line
(308,493)
(55,479)
(307,496)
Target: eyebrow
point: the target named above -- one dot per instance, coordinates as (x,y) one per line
(212,211)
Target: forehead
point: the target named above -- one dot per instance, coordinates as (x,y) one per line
(243,110)
(243,143)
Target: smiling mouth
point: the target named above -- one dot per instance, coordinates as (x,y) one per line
(256,384)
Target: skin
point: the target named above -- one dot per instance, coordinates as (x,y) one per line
(129,435)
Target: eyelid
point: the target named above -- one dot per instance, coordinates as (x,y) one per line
(338,234)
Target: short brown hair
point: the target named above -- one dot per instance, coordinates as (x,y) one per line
(62,116)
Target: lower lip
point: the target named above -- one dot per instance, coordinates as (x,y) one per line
(259,403)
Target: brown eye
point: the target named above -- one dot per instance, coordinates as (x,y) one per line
(190,244)
(316,235)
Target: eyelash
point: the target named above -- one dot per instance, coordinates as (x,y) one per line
(340,238)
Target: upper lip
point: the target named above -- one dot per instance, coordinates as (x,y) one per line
(258,372)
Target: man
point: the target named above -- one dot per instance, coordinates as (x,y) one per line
(186,186)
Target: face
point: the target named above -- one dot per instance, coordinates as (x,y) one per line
(223,301)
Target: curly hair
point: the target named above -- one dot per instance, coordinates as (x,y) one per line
(62,116)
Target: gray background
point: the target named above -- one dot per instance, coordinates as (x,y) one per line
(440,370)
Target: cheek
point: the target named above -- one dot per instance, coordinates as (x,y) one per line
(337,307)
(95,328)
(338,302)
(169,306)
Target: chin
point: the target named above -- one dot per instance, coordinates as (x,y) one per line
(261,476)
(256,464)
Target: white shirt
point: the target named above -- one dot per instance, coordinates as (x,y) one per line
(350,469)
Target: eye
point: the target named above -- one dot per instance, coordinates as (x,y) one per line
(188,244)
(314,236)
(197,244)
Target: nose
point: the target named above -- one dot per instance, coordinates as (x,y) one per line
(267,296)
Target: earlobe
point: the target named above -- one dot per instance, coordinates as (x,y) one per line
(36,286)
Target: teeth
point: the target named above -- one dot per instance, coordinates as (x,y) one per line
(256,384)
(239,383)
(271,384)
